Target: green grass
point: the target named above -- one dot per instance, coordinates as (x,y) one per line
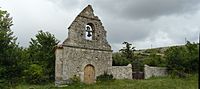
(152,83)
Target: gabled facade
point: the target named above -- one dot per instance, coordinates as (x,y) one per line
(86,52)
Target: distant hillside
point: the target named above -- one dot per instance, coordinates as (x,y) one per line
(158,51)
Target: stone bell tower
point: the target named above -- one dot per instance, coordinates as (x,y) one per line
(86,53)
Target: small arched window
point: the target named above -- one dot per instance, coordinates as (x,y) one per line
(89,31)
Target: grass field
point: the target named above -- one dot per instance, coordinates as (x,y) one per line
(152,83)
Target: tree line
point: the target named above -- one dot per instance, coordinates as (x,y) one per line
(34,64)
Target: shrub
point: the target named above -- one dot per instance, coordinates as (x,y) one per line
(119,59)
(154,60)
(183,59)
(4,84)
(74,80)
(35,74)
(178,73)
(105,77)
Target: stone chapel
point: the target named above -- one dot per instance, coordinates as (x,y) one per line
(86,53)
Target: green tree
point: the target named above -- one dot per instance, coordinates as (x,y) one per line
(124,56)
(119,60)
(192,56)
(154,60)
(183,59)
(10,52)
(41,52)
(128,51)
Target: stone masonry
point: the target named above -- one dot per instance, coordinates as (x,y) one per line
(150,71)
(82,57)
(121,72)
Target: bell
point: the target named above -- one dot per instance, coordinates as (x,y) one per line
(88,30)
(89,34)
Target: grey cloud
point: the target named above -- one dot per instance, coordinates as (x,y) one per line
(131,20)
(127,31)
(67,5)
(147,9)
(179,36)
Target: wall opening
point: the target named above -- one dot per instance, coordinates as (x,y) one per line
(89,29)
(89,74)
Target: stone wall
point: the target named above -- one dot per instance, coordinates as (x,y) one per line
(75,61)
(59,65)
(150,71)
(121,72)
(76,52)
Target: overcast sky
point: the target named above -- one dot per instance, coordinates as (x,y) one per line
(144,23)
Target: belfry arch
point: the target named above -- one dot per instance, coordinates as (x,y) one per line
(89,31)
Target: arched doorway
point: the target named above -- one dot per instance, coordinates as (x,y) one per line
(89,74)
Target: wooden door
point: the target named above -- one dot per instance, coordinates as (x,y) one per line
(89,74)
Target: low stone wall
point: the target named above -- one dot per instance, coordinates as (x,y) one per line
(121,72)
(150,71)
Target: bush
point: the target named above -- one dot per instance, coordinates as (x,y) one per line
(119,59)
(105,77)
(137,65)
(183,59)
(4,84)
(35,74)
(74,80)
(178,73)
(155,60)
